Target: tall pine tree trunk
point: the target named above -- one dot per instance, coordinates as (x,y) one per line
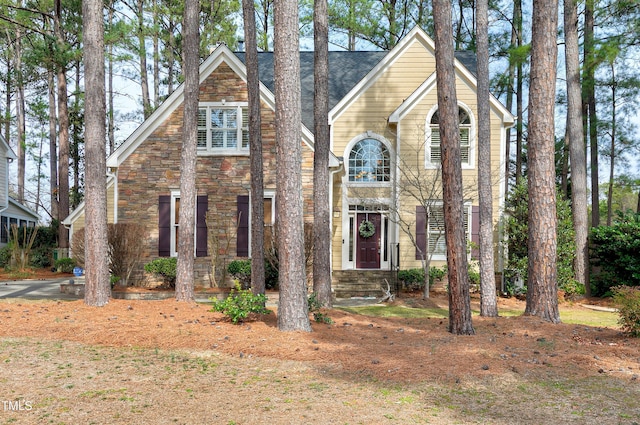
(255,146)
(577,153)
(63,134)
(542,285)
(589,105)
(20,115)
(488,298)
(293,310)
(321,202)
(53,143)
(186,230)
(97,285)
(459,302)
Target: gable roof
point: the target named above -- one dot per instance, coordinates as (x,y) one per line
(24,209)
(9,152)
(346,69)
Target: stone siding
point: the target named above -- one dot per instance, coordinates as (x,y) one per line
(154,170)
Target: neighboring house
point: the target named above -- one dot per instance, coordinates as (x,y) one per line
(383,118)
(11,211)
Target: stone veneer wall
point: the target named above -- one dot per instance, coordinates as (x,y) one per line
(154,169)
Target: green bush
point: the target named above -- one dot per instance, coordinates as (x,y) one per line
(627,300)
(315,308)
(517,231)
(413,279)
(614,253)
(5,256)
(240,270)
(240,303)
(41,257)
(65,265)
(164,268)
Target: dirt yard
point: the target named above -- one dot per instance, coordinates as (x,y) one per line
(168,362)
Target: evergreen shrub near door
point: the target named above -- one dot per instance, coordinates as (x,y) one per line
(413,279)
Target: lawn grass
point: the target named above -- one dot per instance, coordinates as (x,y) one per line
(574,315)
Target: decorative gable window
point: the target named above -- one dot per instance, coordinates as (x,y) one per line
(434,152)
(369,162)
(223,129)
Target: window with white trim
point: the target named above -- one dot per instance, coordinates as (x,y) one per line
(434,152)
(175,222)
(369,162)
(223,128)
(435,228)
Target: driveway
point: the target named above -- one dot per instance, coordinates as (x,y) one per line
(50,290)
(35,289)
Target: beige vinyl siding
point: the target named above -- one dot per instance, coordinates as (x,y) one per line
(370,111)
(78,223)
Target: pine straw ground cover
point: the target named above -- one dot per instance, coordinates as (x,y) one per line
(164,362)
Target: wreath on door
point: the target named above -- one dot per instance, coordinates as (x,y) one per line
(366,229)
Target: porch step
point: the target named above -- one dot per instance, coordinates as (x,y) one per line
(361,283)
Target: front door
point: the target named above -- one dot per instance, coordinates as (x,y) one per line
(368,241)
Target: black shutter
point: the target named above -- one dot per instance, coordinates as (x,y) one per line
(421,235)
(164,226)
(475,231)
(242,246)
(202,207)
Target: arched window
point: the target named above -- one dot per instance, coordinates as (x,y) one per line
(369,161)
(465,136)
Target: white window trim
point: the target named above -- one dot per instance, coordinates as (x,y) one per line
(347,153)
(472,140)
(175,194)
(267,194)
(238,150)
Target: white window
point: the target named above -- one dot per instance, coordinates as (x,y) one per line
(369,162)
(223,129)
(437,244)
(433,151)
(175,222)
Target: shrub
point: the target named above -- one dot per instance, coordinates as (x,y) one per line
(240,303)
(41,257)
(65,265)
(413,279)
(127,242)
(164,268)
(5,256)
(240,270)
(517,230)
(77,247)
(315,308)
(627,300)
(614,251)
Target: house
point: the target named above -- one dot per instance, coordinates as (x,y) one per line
(11,211)
(383,119)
